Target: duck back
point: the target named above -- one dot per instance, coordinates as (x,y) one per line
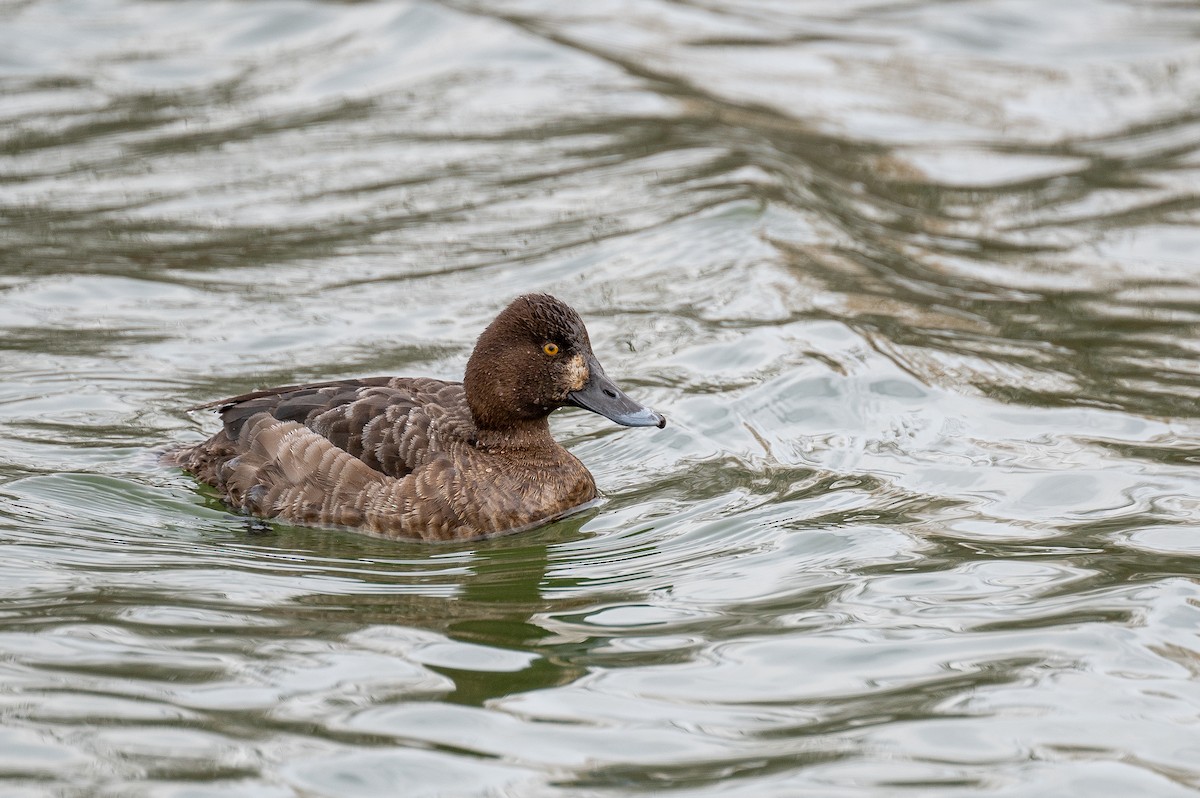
(395,456)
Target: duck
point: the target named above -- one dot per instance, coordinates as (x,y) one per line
(417,458)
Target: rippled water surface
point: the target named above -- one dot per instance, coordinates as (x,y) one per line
(915,282)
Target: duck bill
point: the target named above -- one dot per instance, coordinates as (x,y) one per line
(601,395)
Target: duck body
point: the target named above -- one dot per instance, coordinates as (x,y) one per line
(419,458)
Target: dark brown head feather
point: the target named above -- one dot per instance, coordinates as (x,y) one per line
(510,381)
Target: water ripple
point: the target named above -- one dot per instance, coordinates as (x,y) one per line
(913,282)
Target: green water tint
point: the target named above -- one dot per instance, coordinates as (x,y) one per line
(915,286)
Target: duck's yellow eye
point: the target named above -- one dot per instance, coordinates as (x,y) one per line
(550,349)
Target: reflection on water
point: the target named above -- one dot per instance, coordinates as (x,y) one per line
(914,281)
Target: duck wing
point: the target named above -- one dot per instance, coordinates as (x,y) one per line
(392,424)
(286,470)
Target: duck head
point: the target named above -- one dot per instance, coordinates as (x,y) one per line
(535,358)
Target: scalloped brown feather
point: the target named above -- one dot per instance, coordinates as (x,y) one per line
(398,457)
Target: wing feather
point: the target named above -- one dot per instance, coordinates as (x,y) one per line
(386,422)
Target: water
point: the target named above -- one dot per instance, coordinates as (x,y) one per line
(914,282)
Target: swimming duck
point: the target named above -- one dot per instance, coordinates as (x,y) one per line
(419,458)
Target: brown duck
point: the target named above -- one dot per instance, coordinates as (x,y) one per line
(418,458)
